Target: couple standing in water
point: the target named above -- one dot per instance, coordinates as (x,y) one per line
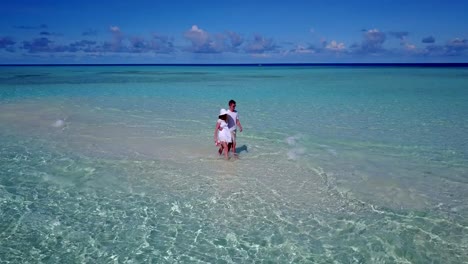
(226,128)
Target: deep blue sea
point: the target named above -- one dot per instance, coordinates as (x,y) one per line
(336,164)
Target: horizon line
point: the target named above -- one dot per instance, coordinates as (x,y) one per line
(410,64)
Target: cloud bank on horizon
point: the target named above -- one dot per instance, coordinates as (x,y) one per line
(279,35)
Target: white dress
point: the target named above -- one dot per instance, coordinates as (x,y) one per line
(224,135)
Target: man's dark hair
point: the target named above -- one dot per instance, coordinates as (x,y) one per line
(231,102)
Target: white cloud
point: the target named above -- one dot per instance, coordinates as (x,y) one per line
(303,50)
(335,46)
(375,36)
(114,29)
(410,47)
(260,55)
(196,29)
(197,36)
(259,44)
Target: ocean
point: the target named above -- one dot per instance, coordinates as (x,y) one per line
(336,164)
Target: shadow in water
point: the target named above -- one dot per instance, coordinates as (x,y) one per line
(242,148)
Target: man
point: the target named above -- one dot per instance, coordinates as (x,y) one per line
(233,124)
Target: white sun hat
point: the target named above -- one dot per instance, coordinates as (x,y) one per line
(222,112)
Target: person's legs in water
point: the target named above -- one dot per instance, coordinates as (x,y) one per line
(220,150)
(233,144)
(225,147)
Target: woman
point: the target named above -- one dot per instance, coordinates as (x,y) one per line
(222,135)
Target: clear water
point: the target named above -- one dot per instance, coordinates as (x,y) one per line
(336,165)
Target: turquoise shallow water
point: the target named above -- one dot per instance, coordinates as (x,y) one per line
(336,164)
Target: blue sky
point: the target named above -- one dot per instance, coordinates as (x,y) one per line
(101,31)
